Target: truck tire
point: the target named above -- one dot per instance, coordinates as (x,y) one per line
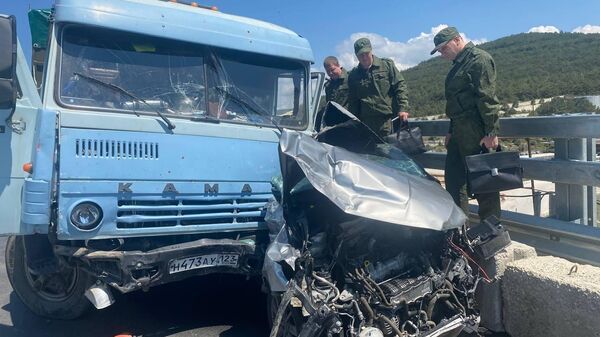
(57,296)
(288,327)
(273,300)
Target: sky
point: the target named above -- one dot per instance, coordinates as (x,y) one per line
(402,30)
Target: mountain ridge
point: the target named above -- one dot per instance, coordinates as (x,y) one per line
(529,66)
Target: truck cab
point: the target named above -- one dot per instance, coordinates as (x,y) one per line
(147,153)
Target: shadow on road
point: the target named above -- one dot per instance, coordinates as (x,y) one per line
(215,305)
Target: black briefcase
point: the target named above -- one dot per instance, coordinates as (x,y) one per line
(407,139)
(493,172)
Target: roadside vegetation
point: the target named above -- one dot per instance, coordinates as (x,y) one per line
(565,105)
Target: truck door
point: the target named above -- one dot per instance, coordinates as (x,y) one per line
(316,90)
(19,104)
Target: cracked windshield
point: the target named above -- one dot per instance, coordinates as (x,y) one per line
(124,72)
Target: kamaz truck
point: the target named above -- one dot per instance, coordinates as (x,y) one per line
(144,152)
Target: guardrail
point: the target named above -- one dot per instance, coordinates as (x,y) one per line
(574,171)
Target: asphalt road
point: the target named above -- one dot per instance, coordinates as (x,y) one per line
(219,305)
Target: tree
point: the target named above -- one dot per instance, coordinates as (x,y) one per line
(511,112)
(560,105)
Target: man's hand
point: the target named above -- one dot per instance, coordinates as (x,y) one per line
(403,116)
(490,142)
(447,139)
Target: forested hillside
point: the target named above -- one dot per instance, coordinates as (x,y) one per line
(531,65)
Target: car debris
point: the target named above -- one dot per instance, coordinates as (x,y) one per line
(365,242)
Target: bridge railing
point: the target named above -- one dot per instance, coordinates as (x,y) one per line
(572,232)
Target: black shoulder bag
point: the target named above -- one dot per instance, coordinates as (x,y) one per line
(407,139)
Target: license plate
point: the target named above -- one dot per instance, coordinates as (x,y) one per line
(203,261)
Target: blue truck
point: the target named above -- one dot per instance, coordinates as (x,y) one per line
(144,152)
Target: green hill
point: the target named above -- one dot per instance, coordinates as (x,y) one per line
(531,65)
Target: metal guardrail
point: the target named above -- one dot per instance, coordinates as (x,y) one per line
(562,238)
(574,242)
(580,126)
(554,170)
(574,172)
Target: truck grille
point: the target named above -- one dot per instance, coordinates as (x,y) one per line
(115,149)
(186,212)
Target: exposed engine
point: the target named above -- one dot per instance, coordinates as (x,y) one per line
(365,278)
(366,243)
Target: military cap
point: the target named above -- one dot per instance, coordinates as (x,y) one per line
(443,37)
(362,45)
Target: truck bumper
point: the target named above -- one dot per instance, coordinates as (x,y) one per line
(132,270)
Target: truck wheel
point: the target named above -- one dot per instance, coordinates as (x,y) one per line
(273,300)
(288,328)
(58,295)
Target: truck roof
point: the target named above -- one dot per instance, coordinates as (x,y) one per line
(186,23)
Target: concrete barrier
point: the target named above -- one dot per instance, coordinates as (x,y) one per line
(488,297)
(551,297)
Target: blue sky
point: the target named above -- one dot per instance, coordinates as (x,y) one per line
(401,30)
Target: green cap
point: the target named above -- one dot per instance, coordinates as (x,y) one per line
(443,37)
(362,45)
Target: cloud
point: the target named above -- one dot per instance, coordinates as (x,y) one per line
(587,29)
(543,29)
(404,54)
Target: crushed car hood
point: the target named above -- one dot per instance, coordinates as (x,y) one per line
(368,189)
(373,180)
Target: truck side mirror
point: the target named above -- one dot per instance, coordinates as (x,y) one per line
(8,62)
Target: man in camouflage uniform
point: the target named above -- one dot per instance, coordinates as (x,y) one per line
(377,90)
(336,88)
(472,107)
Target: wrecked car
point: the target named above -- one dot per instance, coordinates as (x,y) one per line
(364,242)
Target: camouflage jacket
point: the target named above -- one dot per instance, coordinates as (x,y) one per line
(337,90)
(471,102)
(377,92)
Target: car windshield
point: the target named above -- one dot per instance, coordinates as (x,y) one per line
(179,79)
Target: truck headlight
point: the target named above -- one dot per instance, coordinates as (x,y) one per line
(87,215)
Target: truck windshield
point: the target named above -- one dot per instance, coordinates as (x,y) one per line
(179,79)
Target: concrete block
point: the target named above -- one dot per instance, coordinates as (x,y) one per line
(488,297)
(551,297)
